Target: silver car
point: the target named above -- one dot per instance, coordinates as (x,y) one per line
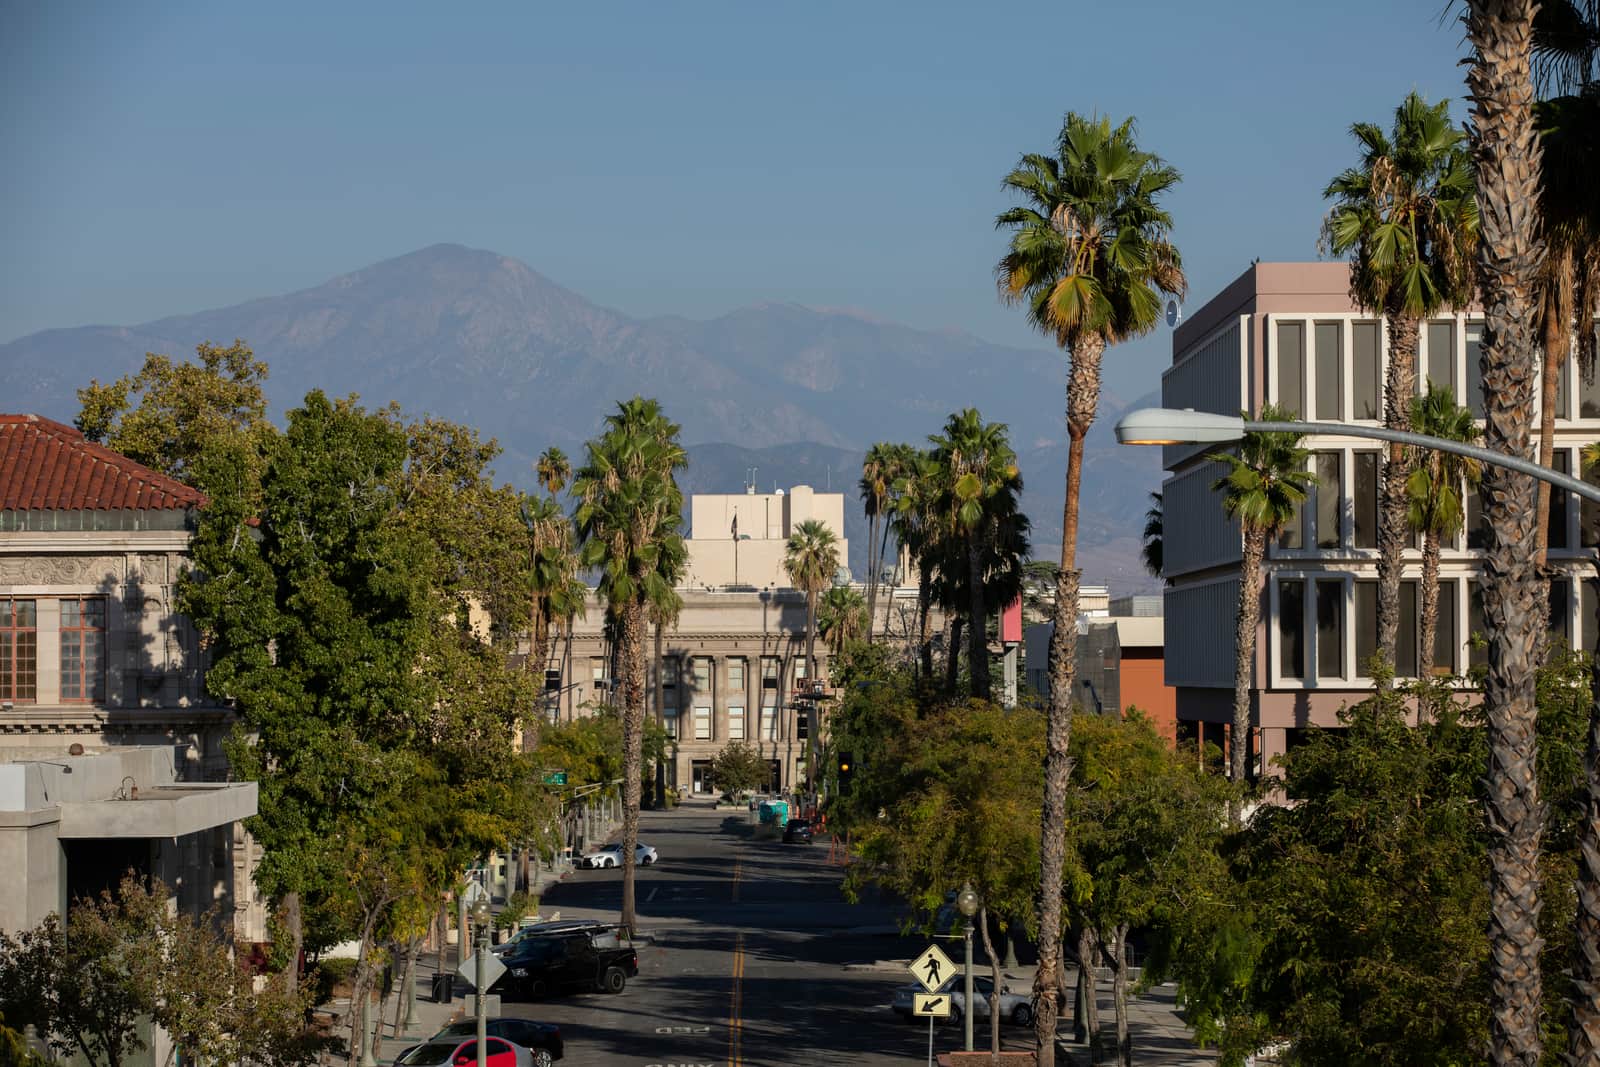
(1015,1008)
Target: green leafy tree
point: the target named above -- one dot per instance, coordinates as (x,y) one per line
(740,767)
(1408,219)
(166,415)
(1090,257)
(631,510)
(1434,491)
(1265,485)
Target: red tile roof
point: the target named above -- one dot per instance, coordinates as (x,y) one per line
(46,466)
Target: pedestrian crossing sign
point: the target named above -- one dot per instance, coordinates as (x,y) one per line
(933,968)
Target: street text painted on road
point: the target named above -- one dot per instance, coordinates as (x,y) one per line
(933,968)
(930,1004)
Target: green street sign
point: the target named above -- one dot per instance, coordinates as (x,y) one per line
(555,778)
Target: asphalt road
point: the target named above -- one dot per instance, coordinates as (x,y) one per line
(751,939)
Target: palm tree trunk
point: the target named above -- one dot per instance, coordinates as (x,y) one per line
(883,549)
(632,656)
(1583,1031)
(1399,388)
(1088,945)
(1119,993)
(978,626)
(952,659)
(1555,352)
(813,709)
(924,630)
(1244,655)
(1429,608)
(661,714)
(1510,256)
(1083,395)
(874,565)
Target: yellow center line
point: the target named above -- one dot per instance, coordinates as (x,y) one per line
(736,1005)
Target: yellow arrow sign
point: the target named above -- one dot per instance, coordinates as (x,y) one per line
(930,1004)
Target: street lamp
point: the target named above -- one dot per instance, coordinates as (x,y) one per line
(967,902)
(480,920)
(1171,426)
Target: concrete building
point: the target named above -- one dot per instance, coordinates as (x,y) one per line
(738,539)
(94,655)
(1287,333)
(1120,661)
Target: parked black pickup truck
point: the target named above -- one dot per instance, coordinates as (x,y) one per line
(595,959)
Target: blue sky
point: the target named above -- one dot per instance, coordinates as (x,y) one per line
(689,158)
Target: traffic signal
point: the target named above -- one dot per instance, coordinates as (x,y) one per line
(847,767)
(802,724)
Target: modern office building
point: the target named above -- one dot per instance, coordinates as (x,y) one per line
(95,659)
(738,539)
(1287,333)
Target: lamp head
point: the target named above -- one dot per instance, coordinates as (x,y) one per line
(967,901)
(480,912)
(1172,426)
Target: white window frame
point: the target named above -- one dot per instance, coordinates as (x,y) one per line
(735,722)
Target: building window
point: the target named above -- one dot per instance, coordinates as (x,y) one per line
(736,675)
(1560,460)
(1291,367)
(1364,500)
(669,719)
(735,723)
(799,671)
(19,650)
(1329,501)
(669,671)
(1477,649)
(1588,595)
(1477,523)
(1558,616)
(769,722)
(83,649)
(1364,372)
(1330,628)
(1296,534)
(1366,608)
(1442,356)
(1405,665)
(597,672)
(1474,398)
(702,724)
(1589,393)
(702,675)
(1445,644)
(769,672)
(1292,627)
(1329,337)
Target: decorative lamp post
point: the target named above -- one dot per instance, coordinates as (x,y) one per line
(480,919)
(967,901)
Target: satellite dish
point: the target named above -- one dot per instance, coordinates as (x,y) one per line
(1174,313)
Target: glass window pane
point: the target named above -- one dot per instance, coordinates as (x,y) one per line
(1560,460)
(1442,355)
(69,612)
(1589,394)
(1474,391)
(1477,524)
(1444,632)
(1406,655)
(702,674)
(1563,389)
(736,674)
(1366,608)
(1330,497)
(1330,629)
(1292,628)
(1589,513)
(26,613)
(1330,370)
(1558,621)
(1291,367)
(735,723)
(702,724)
(1364,500)
(1364,370)
(1587,605)
(1477,652)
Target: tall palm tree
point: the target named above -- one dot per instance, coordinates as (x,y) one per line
(1435,491)
(663,611)
(915,527)
(841,618)
(1265,484)
(1153,550)
(630,512)
(980,486)
(877,481)
(1089,257)
(556,593)
(1409,222)
(1511,255)
(811,559)
(553,469)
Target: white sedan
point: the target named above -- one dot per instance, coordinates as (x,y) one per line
(611,856)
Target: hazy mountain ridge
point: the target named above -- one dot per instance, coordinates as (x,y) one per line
(486,340)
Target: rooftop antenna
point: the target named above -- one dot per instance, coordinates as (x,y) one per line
(750,479)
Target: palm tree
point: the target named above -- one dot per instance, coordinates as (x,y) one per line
(1090,257)
(556,593)
(1407,217)
(841,618)
(1154,548)
(915,528)
(554,470)
(980,485)
(1265,483)
(1510,259)
(877,481)
(630,512)
(1435,491)
(665,607)
(811,559)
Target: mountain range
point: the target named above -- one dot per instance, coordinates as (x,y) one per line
(796,392)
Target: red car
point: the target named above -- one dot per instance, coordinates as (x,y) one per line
(455,1053)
